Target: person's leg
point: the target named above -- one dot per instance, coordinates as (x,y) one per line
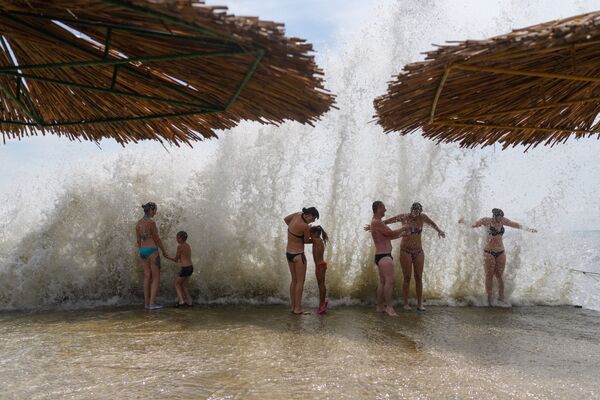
(386,267)
(418,267)
(155,277)
(406,264)
(147,276)
(292,285)
(380,299)
(300,274)
(489,262)
(320,273)
(499,272)
(178,282)
(186,290)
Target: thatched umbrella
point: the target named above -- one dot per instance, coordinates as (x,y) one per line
(169,70)
(534,85)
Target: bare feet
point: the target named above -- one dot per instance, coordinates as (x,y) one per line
(300,312)
(390,311)
(503,304)
(407,307)
(380,309)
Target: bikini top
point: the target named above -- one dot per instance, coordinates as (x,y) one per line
(415,231)
(146,234)
(495,232)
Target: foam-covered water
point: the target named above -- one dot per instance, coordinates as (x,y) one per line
(69,242)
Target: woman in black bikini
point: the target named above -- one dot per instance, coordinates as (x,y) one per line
(298,234)
(493,253)
(411,250)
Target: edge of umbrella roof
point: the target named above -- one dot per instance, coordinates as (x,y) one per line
(253,72)
(449,95)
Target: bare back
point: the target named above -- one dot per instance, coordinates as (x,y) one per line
(297,233)
(184,254)
(146,231)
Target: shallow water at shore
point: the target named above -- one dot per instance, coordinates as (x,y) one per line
(264,352)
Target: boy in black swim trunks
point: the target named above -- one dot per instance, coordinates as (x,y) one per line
(184,258)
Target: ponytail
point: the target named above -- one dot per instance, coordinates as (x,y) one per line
(325,237)
(319,229)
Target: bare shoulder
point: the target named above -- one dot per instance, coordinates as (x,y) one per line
(376,224)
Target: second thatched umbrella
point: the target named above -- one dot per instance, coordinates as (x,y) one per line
(539,84)
(173,71)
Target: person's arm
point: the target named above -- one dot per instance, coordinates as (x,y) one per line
(391,220)
(318,250)
(307,238)
(177,255)
(479,222)
(516,225)
(288,219)
(392,233)
(156,238)
(430,222)
(137,236)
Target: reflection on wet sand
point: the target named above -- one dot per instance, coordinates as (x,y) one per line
(264,352)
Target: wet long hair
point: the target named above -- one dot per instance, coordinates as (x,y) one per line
(496,212)
(311,211)
(149,206)
(318,229)
(416,206)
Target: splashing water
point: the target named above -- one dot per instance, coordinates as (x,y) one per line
(81,250)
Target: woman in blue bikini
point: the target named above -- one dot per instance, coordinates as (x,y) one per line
(493,252)
(148,242)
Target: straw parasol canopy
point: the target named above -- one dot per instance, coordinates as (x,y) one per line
(535,85)
(169,70)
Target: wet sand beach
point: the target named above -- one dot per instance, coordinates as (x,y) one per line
(263,352)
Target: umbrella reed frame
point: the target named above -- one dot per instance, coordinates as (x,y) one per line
(196,104)
(463,121)
(534,85)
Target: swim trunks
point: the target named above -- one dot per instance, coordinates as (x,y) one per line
(378,257)
(290,257)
